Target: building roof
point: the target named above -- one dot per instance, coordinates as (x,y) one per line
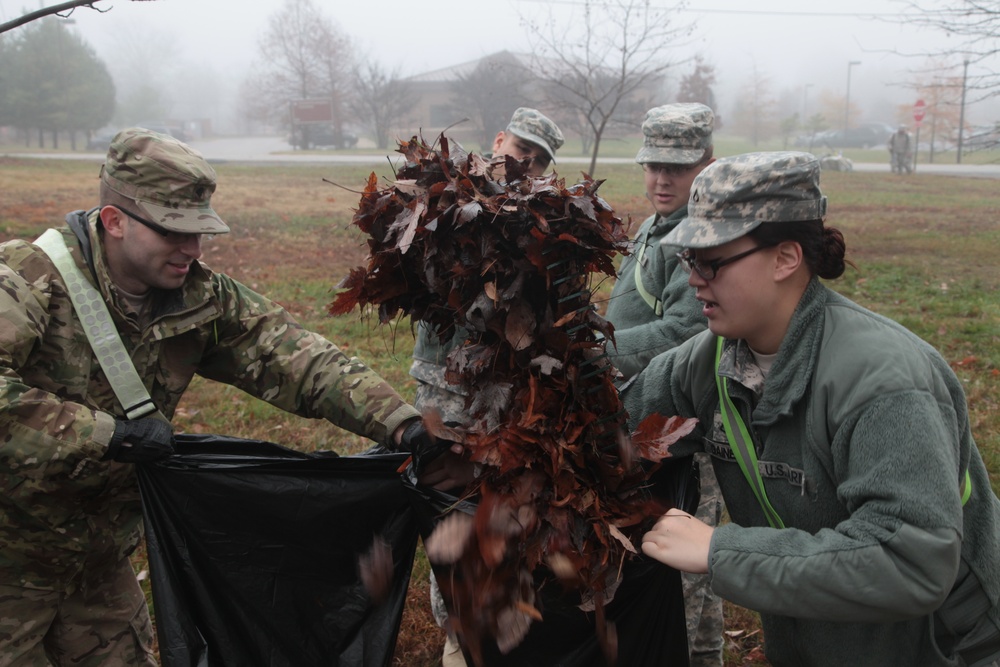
(462,70)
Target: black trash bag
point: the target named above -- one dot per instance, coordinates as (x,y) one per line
(647,609)
(253,551)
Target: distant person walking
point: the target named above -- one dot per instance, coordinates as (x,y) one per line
(900,151)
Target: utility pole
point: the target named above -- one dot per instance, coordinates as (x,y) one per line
(961,114)
(847,103)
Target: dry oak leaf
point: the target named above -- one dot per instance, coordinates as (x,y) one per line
(450,537)
(656,433)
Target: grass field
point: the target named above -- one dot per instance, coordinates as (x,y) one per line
(926,250)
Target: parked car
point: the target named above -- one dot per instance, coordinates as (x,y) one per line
(864,135)
(321,136)
(984,137)
(100,141)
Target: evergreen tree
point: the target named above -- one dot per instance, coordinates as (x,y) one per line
(697,86)
(53,83)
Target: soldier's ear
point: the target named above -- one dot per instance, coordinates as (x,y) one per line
(787,260)
(498,140)
(111,219)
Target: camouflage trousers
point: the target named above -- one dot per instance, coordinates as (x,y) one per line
(103,622)
(702,608)
(451,407)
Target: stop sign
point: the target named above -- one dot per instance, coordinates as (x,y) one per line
(918,111)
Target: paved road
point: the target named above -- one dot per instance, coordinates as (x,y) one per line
(274,150)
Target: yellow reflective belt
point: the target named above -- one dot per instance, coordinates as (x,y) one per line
(742,444)
(653,302)
(966,488)
(96,320)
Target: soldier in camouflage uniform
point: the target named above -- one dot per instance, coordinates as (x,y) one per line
(529,135)
(653,309)
(69,507)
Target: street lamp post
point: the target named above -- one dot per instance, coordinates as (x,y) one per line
(847,103)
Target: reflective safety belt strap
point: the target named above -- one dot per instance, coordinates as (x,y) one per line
(96,320)
(653,302)
(742,444)
(966,488)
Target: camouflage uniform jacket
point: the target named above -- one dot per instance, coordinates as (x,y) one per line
(863,441)
(430,355)
(60,505)
(641,332)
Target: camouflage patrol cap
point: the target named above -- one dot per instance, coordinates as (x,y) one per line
(676,134)
(534,126)
(170,182)
(733,196)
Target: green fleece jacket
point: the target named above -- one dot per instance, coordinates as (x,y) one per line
(61,506)
(652,307)
(863,441)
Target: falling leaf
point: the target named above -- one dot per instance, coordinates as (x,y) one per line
(449,539)
(512,627)
(375,568)
(656,433)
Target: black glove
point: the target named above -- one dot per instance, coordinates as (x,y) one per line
(145,439)
(424,447)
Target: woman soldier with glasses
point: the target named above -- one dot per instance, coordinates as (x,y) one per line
(864,528)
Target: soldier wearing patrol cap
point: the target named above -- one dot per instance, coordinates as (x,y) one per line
(129,270)
(653,309)
(864,526)
(529,135)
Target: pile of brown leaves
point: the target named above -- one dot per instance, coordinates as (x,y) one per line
(458,240)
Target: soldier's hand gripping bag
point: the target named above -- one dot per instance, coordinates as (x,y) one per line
(647,610)
(253,551)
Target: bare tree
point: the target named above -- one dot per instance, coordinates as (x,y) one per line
(380,100)
(941,89)
(974,29)
(302,55)
(813,126)
(619,52)
(756,119)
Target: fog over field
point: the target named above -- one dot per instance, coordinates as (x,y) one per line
(200,50)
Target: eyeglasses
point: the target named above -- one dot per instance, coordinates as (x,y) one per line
(168,234)
(670,170)
(707,270)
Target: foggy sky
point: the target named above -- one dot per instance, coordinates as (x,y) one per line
(803,48)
